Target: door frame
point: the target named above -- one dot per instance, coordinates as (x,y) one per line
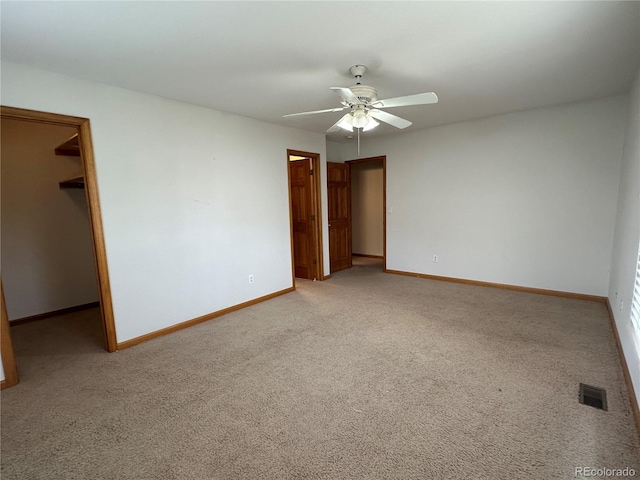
(316,208)
(83,128)
(8,357)
(382,158)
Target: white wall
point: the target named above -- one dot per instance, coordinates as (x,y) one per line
(627,238)
(334,152)
(47,256)
(193,200)
(366,208)
(526,199)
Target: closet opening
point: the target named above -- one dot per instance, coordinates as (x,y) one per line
(53,252)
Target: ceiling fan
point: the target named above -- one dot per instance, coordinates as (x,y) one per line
(365,108)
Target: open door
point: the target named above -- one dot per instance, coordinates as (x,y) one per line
(339,200)
(305,213)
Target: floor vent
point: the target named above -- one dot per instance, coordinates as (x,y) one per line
(593,396)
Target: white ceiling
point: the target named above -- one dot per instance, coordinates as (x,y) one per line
(266,59)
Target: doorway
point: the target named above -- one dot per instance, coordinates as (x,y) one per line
(306,220)
(368,180)
(82,145)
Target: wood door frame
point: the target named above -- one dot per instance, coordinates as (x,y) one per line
(383,159)
(316,207)
(83,127)
(8,357)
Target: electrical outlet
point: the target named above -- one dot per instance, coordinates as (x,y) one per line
(250,278)
(435,259)
(621,304)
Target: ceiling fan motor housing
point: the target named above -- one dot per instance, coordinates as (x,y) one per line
(365,93)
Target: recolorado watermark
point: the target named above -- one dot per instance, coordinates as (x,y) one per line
(593,472)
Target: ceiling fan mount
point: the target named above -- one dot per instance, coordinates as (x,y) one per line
(357,71)
(364,93)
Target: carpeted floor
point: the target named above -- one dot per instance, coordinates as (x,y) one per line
(364,376)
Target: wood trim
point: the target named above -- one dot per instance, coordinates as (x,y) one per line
(383,159)
(6,345)
(317,198)
(633,399)
(384,212)
(365,160)
(99,248)
(380,257)
(326,277)
(293,259)
(203,318)
(93,203)
(62,311)
(40,117)
(504,286)
(317,210)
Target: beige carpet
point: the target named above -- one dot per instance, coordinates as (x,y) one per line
(364,376)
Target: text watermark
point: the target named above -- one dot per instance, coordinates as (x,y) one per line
(595,472)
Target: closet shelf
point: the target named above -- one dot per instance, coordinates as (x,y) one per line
(75,182)
(70,148)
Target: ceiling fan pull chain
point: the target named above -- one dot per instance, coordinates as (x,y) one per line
(359,140)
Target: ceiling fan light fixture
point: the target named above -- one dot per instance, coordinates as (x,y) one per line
(345,123)
(371,125)
(359,119)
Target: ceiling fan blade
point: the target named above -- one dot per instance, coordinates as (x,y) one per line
(390,119)
(339,109)
(342,123)
(346,95)
(408,100)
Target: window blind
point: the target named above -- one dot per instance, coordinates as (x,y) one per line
(635,302)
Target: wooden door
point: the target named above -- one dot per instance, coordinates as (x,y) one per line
(339,200)
(303,218)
